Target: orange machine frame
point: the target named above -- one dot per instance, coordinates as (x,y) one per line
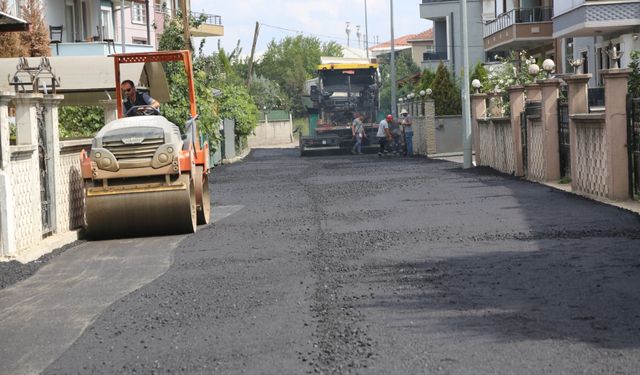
(201,153)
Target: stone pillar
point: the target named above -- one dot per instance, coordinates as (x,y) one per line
(110,110)
(577,104)
(430,121)
(478,110)
(51,103)
(27,118)
(549,112)
(578,93)
(7,221)
(533,92)
(516,100)
(615,91)
(5,154)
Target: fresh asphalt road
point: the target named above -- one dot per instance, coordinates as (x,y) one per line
(348,264)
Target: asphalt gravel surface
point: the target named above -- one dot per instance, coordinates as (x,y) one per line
(367,265)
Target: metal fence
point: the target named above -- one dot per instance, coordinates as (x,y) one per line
(563,137)
(596,97)
(633,137)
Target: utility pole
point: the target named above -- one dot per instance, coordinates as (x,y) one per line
(466,105)
(253,51)
(366,30)
(122,26)
(185,23)
(393,68)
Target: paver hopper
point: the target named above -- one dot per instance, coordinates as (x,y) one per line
(143,174)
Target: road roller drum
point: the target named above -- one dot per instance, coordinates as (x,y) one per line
(140,210)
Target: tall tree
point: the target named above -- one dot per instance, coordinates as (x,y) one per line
(36,40)
(292,61)
(10,45)
(446,94)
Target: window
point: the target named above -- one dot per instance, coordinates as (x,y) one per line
(585,63)
(139,41)
(107,22)
(138,13)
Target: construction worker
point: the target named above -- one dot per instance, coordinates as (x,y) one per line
(407,122)
(357,129)
(384,134)
(132,98)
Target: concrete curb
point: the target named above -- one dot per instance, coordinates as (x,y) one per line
(629,205)
(237,158)
(45,247)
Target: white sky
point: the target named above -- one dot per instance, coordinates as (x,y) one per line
(325,19)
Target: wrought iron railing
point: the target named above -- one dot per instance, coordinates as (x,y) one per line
(434,56)
(208,19)
(515,16)
(564,141)
(633,145)
(596,97)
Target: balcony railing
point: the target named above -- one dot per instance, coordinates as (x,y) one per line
(209,19)
(515,16)
(434,56)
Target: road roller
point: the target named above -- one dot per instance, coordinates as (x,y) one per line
(143,174)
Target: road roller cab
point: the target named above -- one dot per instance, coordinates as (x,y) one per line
(145,175)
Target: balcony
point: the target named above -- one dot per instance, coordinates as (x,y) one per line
(211,25)
(588,18)
(434,56)
(97,48)
(519,28)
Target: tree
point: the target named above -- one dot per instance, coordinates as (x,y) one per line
(268,94)
(35,41)
(426,80)
(404,67)
(10,45)
(237,104)
(291,62)
(177,109)
(445,93)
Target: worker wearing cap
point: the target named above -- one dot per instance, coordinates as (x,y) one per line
(384,134)
(408,130)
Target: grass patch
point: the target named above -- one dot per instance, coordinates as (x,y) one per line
(565,180)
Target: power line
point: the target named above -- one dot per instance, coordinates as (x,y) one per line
(336,38)
(332,37)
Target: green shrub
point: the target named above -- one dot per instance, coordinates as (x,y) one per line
(446,94)
(80,121)
(480,73)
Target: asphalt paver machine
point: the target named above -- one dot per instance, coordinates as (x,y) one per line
(145,175)
(341,91)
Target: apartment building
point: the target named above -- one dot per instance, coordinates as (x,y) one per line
(447,40)
(520,25)
(591,29)
(101,27)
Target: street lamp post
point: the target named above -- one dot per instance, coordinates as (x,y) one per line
(348,31)
(466,105)
(366,30)
(393,68)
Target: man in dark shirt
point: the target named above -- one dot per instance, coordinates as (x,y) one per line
(133,98)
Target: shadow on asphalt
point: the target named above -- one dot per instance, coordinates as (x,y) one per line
(569,277)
